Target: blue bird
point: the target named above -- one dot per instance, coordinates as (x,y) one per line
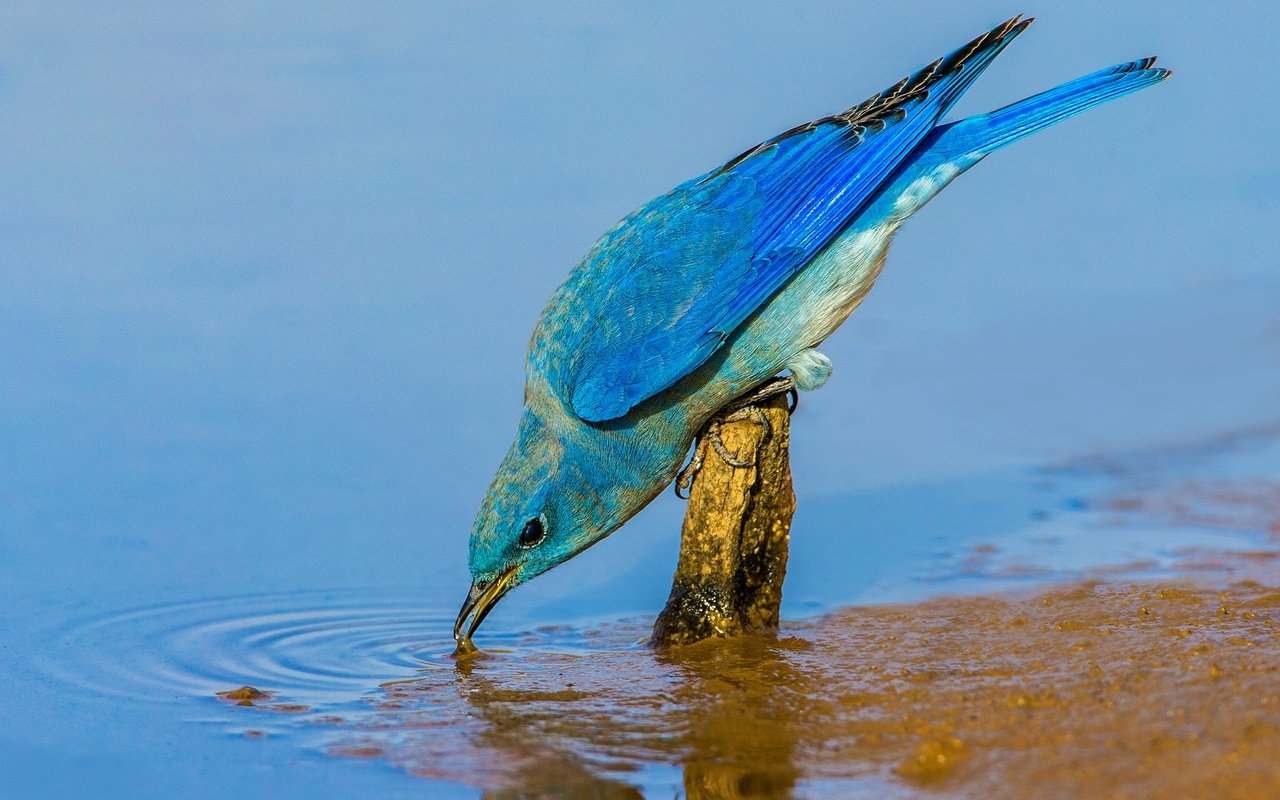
(717,286)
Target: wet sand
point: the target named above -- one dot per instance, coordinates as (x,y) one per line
(1096,690)
(1091,691)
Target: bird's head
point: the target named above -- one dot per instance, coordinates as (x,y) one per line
(551,499)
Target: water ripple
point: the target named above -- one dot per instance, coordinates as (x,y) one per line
(310,647)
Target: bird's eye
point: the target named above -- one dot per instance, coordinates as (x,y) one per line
(532,534)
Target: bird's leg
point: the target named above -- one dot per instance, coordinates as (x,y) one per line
(684,478)
(745,407)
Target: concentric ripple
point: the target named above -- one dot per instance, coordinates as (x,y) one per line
(308,647)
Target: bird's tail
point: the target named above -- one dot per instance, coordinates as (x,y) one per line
(986,133)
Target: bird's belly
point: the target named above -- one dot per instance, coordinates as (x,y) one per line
(802,314)
(839,279)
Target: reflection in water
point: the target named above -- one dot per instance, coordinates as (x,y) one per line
(729,715)
(746,702)
(727,712)
(717,720)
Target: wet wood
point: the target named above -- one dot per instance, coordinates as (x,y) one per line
(733,547)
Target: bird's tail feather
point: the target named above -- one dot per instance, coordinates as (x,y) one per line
(987,133)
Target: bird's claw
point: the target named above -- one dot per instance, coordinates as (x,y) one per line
(745,407)
(717,444)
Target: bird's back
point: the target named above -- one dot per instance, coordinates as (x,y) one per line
(668,287)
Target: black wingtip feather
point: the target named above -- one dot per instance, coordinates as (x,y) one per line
(884,106)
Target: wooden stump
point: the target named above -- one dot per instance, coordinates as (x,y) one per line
(733,546)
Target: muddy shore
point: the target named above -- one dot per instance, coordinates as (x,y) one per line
(1154,690)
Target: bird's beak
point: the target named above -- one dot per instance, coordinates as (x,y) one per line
(484,595)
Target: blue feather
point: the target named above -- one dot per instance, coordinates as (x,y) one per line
(989,132)
(701,259)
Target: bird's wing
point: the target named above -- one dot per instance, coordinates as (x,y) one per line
(686,270)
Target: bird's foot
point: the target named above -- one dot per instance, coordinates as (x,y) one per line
(770,388)
(709,439)
(743,408)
